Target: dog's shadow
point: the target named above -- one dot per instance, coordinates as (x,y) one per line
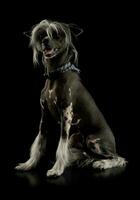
(70,177)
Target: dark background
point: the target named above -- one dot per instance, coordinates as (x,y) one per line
(107,59)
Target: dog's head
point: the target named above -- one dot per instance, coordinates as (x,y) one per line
(51,39)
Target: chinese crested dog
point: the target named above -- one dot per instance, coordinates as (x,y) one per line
(85,137)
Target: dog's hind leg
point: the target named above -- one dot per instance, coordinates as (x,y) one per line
(37,149)
(104,154)
(62,154)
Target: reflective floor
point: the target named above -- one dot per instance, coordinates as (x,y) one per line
(76,181)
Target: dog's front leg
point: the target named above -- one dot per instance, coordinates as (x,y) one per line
(38,147)
(62,154)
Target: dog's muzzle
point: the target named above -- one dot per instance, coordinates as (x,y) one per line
(47,50)
(50,52)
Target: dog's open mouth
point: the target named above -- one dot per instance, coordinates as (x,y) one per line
(50,52)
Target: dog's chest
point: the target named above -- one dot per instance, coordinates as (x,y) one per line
(49,97)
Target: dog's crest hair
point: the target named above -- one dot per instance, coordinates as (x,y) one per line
(49,26)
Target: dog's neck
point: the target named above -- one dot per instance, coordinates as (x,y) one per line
(59,65)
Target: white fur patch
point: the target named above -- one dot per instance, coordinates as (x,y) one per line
(62,151)
(109,163)
(55,100)
(77,122)
(50,93)
(61,159)
(37,150)
(95,140)
(68,114)
(70,92)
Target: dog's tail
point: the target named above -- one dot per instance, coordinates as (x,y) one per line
(103,164)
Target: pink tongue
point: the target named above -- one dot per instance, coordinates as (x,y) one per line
(49,51)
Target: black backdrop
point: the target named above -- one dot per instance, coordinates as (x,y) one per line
(106,59)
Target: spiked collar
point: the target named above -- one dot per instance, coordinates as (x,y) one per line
(64,68)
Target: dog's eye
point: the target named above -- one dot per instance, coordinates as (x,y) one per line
(42,35)
(55,35)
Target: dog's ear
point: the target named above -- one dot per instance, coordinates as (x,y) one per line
(76,31)
(27,34)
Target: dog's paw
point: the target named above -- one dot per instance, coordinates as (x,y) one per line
(30,164)
(109,163)
(102,164)
(55,171)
